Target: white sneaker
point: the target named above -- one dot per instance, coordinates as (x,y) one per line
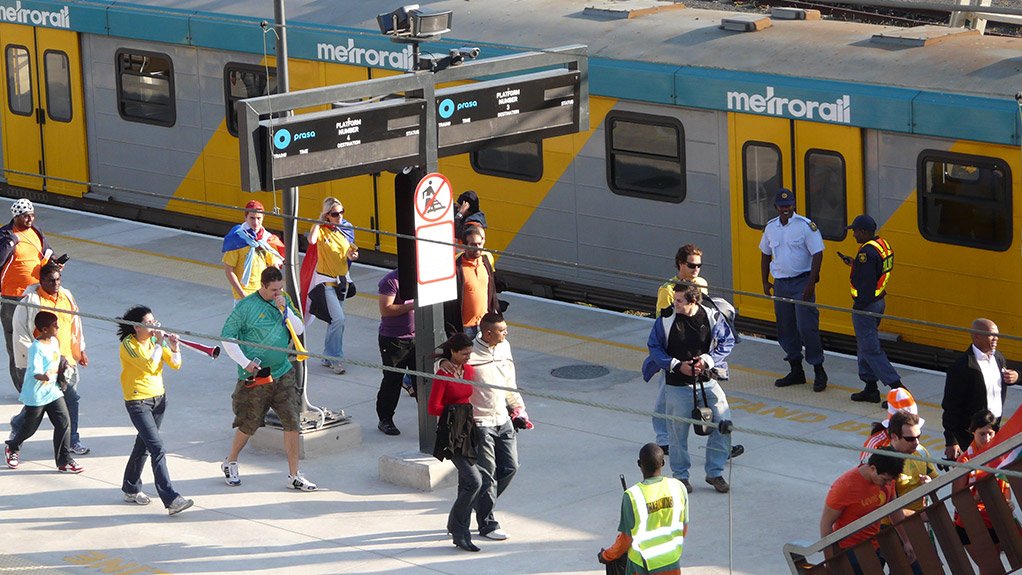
(496,535)
(299,482)
(178,505)
(230,469)
(140,498)
(338,368)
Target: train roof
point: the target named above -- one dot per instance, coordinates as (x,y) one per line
(962,85)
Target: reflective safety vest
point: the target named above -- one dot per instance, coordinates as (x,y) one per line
(660,510)
(886,265)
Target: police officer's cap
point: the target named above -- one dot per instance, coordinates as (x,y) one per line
(784,197)
(863,222)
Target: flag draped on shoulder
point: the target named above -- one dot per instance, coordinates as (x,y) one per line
(242,236)
(307,274)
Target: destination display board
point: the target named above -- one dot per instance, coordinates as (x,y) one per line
(342,142)
(526,107)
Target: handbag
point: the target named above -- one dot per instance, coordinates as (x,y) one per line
(704,414)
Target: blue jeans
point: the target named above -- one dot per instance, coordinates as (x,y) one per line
(718,445)
(857,570)
(873,362)
(497,460)
(797,325)
(660,406)
(470,483)
(71,399)
(334,347)
(147,415)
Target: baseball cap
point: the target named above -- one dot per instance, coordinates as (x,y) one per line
(784,197)
(863,222)
(900,399)
(254,205)
(21,207)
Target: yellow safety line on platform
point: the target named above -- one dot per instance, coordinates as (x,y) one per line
(623,356)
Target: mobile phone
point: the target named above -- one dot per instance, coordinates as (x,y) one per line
(844,258)
(62,259)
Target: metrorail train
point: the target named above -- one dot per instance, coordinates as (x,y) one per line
(127,108)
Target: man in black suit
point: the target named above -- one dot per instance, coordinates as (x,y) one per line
(977,380)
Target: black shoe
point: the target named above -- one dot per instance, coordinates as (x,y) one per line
(820,378)
(388,427)
(464,542)
(666,448)
(736,450)
(867,395)
(795,377)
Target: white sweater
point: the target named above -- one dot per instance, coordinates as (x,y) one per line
(495,366)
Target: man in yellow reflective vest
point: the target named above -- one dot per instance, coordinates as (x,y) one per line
(871,270)
(654,520)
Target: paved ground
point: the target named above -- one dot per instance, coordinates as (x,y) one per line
(561,508)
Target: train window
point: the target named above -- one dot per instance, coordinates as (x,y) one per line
(761,169)
(145,87)
(523,161)
(646,156)
(19,80)
(826,196)
(245,81)
(964,200)
(58,85)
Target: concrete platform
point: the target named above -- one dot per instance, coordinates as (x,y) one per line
(561,508)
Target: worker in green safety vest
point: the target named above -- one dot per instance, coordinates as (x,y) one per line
(654,520)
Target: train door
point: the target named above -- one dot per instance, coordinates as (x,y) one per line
(43,117)
(823,164)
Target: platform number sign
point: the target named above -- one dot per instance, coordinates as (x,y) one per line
(434,221)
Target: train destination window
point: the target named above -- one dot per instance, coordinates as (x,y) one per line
(58,85)
(826,198)
(19,80)
(522,161)
(646,156)
(761,170)
(145,87)
(964,200)
(245,81)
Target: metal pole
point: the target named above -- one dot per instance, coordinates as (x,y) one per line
(290,195)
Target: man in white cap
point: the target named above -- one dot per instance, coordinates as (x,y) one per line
(23,251)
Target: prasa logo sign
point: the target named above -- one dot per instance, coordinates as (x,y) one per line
(15,14)
(447,107)
(839,111)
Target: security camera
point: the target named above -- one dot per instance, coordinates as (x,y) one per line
(468,53)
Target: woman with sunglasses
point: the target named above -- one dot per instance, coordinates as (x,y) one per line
(332,243)
(982,428)
(449,401)
(145,349)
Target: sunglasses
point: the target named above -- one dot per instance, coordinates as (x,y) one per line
(693,266)
(336,214)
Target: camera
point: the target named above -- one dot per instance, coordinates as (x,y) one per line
(458,55)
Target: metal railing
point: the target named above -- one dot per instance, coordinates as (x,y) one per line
(937,546)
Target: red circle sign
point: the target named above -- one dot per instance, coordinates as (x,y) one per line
(433,197)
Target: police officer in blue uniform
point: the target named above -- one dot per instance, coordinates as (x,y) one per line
(871,269)
(793,253)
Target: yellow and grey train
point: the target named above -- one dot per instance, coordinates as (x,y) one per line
(127,108)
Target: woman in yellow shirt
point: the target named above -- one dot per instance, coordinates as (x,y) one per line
(144,350)
(334,250)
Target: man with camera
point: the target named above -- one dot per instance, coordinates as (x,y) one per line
(23,251)
(687,344)
(498,415)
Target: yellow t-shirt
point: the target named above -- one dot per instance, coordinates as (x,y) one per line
(141,376)
(64,322)
(332,252)
(665,295)
(262,260)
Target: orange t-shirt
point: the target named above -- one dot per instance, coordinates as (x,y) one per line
(856,496)
(974,476)
(23,268)
(474,291)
